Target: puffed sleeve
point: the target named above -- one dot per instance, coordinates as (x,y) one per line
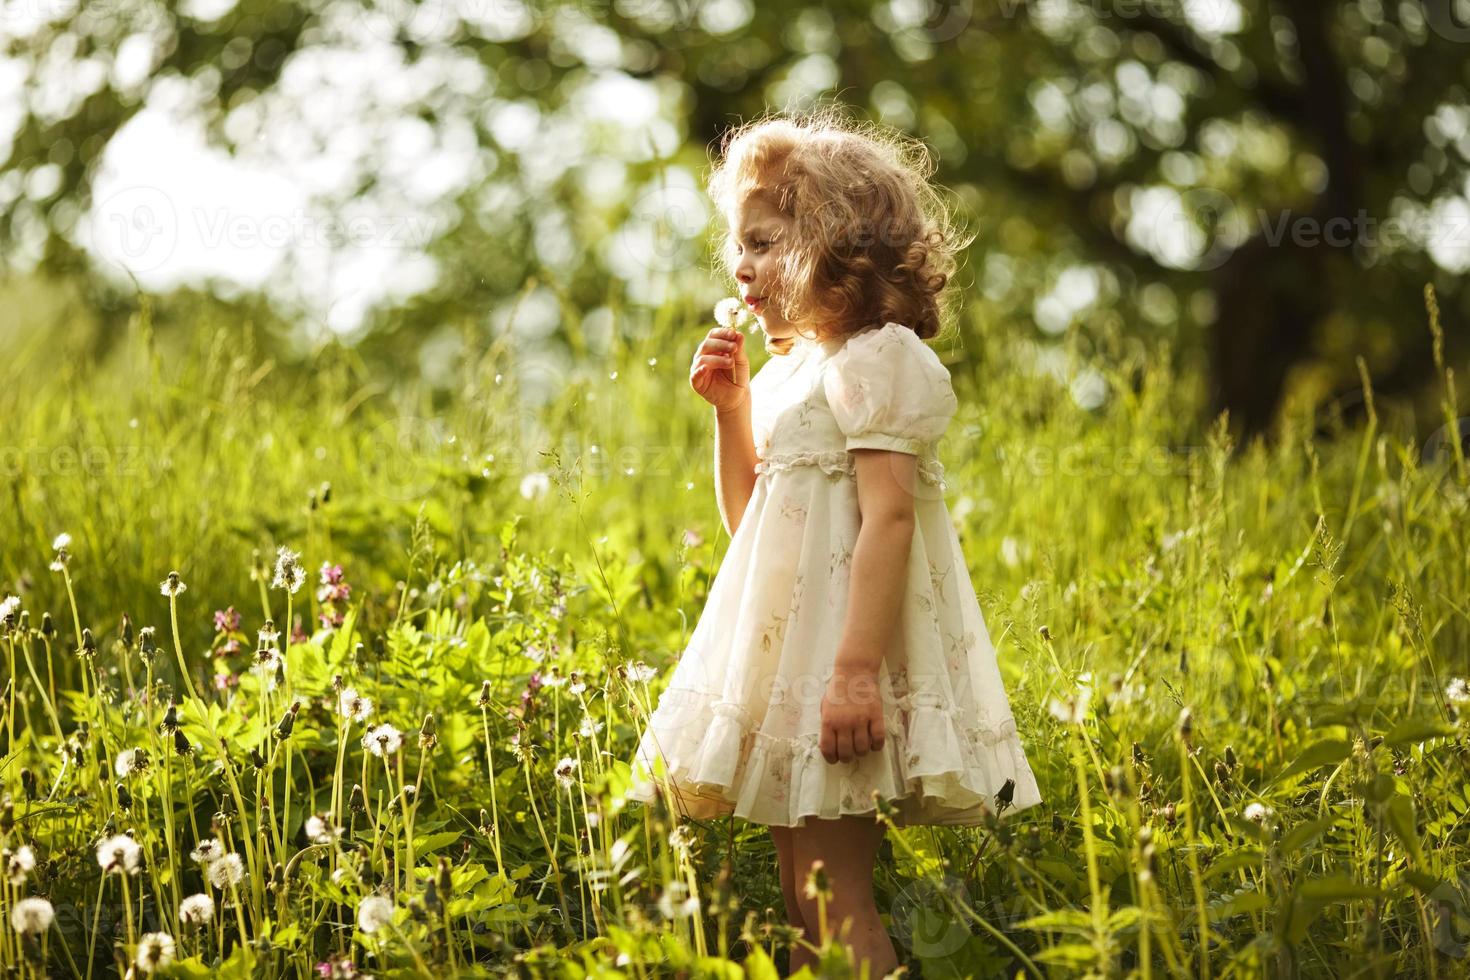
(889,390)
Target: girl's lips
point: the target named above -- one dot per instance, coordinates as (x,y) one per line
(754,302)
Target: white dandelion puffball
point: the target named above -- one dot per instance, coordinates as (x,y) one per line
(1258,812)
(9,606)
(119,854)
(31,916)
(383,740)
(289,573)
(354,706)
(566,769)
(130,761)
(1457,692)
(374,913)
(534,485)
(321,830)
(207,851)
(155,951)
(226,871)
(20,864)
(731,312)
(197,910)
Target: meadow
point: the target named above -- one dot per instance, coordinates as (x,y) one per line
(317,672)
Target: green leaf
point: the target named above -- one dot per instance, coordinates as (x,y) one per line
(1072,954)
(1061,920)
(1400,813)
(432,842)
(758,966)
(1326,752)
(1335,888)
(1417,730)
(1303,834)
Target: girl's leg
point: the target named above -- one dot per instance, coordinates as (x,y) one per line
(790,888)
(848,848)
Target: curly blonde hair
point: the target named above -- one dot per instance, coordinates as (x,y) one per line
(872,241)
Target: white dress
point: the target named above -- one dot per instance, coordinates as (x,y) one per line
(738,727)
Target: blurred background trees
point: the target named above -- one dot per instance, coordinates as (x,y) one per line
(1264,189)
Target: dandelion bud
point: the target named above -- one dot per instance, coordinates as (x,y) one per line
(48,628)
(89,645)
(1184,661)
(170,719)
(380,646)
(336,683)
(1222,773)
(1168,814)
(24,623)
(431,897)
(1057,826)
(1139,759)
(1186,723)
(1006,794)
(181,743)
(818,883)
(428,737)
(124,798)
(256,759)
(355,802)
(1045,633)
(325,493)
(288,721)
(446,880)
(484,701)
(1033,840)
(147,648)
(1229,757)
(28,783)
(126,630)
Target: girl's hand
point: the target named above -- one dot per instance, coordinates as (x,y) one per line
(852,716)
(720,372)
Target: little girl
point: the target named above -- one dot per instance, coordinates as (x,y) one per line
(842,654)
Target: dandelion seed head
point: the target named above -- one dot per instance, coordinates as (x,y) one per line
(226,871)
(61,542)
(155,951)
(197,910)
(1258,812)
(374,913)
(1457,692)
(118,853)
(383,740)
(31,916)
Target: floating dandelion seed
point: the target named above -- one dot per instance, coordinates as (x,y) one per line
(226,871)
(197,910)
(119,853)
(155,951)
(172,585)
(31,916)
(354,706)
(374,913)
(383,740)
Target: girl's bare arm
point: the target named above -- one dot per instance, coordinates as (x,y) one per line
(735,461)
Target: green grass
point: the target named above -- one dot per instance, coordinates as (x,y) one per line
(1275,625)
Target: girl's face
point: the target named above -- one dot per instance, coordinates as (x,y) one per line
(757,231)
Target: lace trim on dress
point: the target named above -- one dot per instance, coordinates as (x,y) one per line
(839,462)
